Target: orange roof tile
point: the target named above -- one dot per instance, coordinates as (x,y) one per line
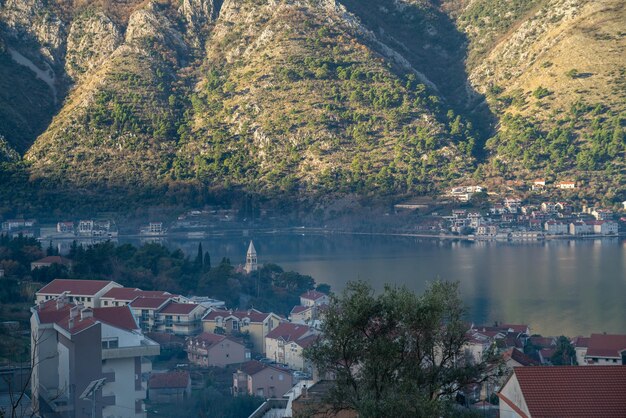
(117,316)
(574,391)
(606,345)
(74,287)
(179,308)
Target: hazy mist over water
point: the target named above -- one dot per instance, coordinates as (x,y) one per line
(571,287)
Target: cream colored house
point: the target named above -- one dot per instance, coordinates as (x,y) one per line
(257,324)
(258,379)
(286,343)
(314,298)
(180,318)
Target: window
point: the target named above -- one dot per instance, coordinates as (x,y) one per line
(106,303)
(235,325)
(168,320)
(281,377)
(88,299)
(110,343)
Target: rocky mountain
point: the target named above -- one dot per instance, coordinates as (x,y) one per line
(314,98)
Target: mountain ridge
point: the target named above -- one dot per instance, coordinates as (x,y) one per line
(386,98)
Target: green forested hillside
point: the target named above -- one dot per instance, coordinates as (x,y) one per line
(312,99)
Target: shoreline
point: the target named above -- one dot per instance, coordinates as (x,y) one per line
(203,234)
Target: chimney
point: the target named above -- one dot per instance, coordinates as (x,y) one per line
(305,391)
(86,313)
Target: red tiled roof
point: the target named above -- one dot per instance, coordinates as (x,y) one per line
(519,357)
(313,295)
(307,341)
(542,341)
(120,317)
(117,316)
(177,380)
(48,312)
(253,367)
(298,308)
(288,331)
(574,391)
(127,293)
(74,287)
(581,341)
(210,338)
(252,314)
(606,345)
(78,324)
(179,308)
(148,303)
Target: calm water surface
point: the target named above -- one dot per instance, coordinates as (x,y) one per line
(558,287)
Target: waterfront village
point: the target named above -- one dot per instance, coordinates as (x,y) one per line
(508,219)
(129,352)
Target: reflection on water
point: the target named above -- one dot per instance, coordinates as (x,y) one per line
(558,287)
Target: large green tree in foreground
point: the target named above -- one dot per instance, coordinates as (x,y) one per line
(396,353)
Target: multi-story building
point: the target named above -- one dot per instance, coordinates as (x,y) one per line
(180,318)
(257,324)
(286,343)
(258,379)
(120,296)
(215,350)
(603,227)
(553,227)
(87,292)
(580,228)
(145,310)
(73,346)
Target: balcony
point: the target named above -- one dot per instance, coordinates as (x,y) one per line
(147,348)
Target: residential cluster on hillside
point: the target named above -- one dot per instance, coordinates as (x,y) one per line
(511,219)
(87,331)
(110,332)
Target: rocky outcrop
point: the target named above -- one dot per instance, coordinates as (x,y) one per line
(34,21)
(199,14)
(92,39)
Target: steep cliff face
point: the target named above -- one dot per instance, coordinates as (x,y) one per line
(91,40)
